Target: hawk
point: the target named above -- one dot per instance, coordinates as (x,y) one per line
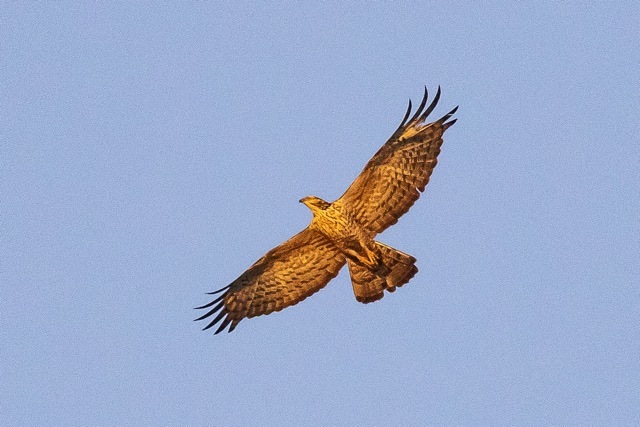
(343,232)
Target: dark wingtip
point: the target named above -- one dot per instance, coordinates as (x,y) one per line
(449,124)
(223,325)
(421,107)
(404,120)
(448,115)
(432,106)
(406,116)
(213,310)
(219,290)
(233,326)
(209,304)
(216,320)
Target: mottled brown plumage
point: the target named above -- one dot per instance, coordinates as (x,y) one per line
(344,231)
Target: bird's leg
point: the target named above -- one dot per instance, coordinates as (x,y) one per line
(375,262)
(364,254)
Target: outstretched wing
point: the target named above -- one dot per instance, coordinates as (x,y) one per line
(284,276)
(388,185)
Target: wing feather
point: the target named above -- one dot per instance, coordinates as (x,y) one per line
(284,276)
(392,180)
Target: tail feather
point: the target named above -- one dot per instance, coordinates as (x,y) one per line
(369,286)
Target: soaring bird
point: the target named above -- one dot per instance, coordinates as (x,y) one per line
(344,231)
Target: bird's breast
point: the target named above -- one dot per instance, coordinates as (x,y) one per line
(342,230)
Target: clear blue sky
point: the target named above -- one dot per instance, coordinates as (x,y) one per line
(151,152)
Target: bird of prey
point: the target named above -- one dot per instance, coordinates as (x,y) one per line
(344,231)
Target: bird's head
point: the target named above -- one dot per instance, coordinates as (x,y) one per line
(315,203)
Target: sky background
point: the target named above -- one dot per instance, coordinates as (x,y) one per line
(151,152)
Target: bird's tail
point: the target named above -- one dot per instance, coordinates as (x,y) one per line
(369,286)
